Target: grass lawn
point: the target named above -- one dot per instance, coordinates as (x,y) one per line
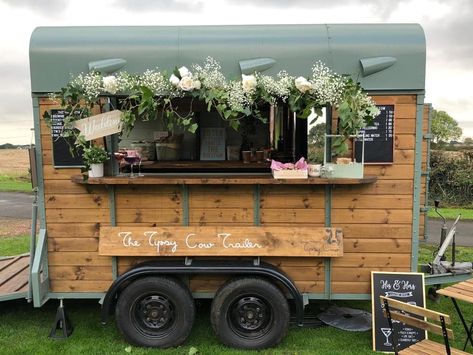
(15,183)
(14,245)
(24,329)
(452,213)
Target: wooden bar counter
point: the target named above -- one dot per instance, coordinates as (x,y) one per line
(213,179)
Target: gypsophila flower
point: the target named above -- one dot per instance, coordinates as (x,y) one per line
(210,75)
(155,81)
(326,85)
(90,83)
(237,98)
(277,89)
(126,82)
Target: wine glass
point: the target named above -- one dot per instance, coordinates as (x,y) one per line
(140,160)
(131,158)
(120,157)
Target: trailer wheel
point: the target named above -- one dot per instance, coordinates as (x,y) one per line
(249,313)
(155,312)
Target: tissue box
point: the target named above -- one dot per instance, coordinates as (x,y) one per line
(290,174)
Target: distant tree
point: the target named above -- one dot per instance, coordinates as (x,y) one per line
(444,127)
(468,141)
(316,134)
(315,140)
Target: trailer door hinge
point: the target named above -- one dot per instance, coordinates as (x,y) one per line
(425,209)
(428,136)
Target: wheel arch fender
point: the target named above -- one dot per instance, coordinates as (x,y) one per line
(179,268)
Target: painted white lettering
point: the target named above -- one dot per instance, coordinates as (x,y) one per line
(192,245)
(246,244)
(127,239)
(158,243)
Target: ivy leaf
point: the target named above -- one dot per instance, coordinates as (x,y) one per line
(193,350)
(193,127)
(128,349)
(176,72)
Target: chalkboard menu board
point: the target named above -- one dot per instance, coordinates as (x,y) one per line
(379,138)
(62,154)
(405,287)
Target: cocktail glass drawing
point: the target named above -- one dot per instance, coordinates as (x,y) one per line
(387,332)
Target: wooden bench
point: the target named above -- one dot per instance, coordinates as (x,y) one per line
(394,310)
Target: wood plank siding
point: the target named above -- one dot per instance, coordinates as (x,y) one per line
(376,218)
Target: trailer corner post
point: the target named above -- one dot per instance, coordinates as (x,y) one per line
(328,261)
(256,205)
(39,162)
(185,205)
(113,222)
(426,173)
(328,209)
(417,182)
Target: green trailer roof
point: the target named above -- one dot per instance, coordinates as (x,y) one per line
(386,57)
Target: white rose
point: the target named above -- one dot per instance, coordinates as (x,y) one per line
(174,80)
(183,72)
(197,84)
(302,84)
(248,82)
(186,83)
(110,84)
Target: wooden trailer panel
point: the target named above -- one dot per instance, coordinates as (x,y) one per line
(73,215)
(377,223)
(376,218)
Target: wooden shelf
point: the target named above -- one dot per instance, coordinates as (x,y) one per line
(254,179)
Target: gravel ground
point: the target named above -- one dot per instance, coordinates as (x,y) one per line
(10,227)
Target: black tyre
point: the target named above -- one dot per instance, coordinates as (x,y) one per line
(155,312)
(250,313)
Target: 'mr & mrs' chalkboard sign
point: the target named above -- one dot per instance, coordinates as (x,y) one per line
(405,287)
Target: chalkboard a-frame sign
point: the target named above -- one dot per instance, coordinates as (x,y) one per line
(379,138)
(406,287)
(62,156)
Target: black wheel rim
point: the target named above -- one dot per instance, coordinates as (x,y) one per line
(153,315)
(250,316)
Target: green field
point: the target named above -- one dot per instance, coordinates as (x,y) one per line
(452,213)
(24,329)
(14,183)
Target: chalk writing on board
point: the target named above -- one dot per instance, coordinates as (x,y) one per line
(405,287)
(65,154)
(379,138)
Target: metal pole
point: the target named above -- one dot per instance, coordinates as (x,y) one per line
(34,217)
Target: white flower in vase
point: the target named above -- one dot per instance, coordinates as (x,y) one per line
(110,84)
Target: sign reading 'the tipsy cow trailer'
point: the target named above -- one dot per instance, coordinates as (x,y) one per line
(221,241)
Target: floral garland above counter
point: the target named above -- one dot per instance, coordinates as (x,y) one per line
(153,94)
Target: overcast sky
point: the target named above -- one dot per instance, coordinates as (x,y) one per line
(448,26)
